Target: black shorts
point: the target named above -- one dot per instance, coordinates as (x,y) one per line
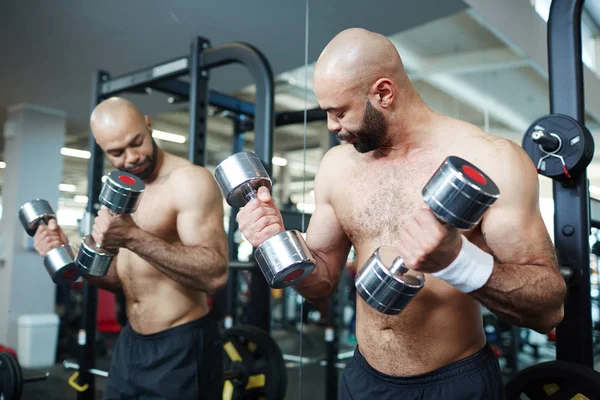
(184,362)
(477,377)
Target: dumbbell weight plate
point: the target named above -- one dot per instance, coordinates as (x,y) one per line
(94,260)
(60,264)
(384,291)
(31,213)
(239,173)
(284,259)
(459,193)
(121,193)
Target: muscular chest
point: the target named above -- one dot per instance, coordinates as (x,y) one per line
(377,199)
(156,214)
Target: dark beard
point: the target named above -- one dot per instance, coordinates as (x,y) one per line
(372,132)
(146,173)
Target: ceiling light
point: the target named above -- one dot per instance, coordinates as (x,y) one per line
(65,187)
(2,164)
(282,162)
(65,151)
(169,137)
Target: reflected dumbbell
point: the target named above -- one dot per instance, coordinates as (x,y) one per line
(458,194)
(284,259)
(60,261)
(121,194)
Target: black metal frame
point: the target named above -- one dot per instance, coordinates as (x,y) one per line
(163,77)
(571,199)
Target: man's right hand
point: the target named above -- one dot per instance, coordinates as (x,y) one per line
(49,237)
(260,219)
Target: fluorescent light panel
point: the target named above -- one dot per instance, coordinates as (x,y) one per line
(169,137)
(65,151)
(65,187)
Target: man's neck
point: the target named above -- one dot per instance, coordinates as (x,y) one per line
(158,168)
(408,129)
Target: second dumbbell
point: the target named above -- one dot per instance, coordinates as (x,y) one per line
(121,194)
(60,261)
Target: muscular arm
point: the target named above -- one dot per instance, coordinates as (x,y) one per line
(110,281)
(51,236)
(325,238)
(200,261)
(525,287)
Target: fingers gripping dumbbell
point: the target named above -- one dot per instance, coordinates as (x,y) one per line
(284,258)
(60,261)
(121,194)
(458,194)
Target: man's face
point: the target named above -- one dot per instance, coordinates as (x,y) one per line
(129,146)
(370,134)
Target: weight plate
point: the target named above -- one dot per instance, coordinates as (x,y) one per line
(9,387)
(256,356)
(18,373)
(555,379)
(577,146)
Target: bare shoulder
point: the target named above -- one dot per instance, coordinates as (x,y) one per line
(503,160)
(332,165)
(193,184)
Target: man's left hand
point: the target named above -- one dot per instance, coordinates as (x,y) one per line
(113,231)
(428,245)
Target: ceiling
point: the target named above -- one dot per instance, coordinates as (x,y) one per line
(459,67)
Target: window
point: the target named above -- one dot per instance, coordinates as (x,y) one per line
(589,32)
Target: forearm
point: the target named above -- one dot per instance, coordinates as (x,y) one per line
(110,281)
(319,285)
(202,268)
(530,296)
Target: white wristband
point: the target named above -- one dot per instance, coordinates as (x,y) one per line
(470,270)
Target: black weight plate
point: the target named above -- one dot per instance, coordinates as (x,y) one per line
(577,145)
(555,380)
(8,385)
(259,355)
(18,372)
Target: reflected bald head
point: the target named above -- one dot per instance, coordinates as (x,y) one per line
(356,58)
(112,116)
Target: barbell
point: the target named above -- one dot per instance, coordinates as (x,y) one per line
(11,377)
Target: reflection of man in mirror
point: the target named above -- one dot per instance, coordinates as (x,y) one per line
(172,256)
(368,194)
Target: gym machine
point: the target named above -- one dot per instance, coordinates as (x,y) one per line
(561,147)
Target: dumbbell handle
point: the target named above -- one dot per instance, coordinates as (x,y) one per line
(249,192)
(398,266)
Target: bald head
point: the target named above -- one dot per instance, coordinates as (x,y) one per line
(110,116)
(356,58)
(125,135)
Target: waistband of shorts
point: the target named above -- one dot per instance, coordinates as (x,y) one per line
(466,366)
(206,322)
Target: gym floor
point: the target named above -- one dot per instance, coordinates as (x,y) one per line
(56,387)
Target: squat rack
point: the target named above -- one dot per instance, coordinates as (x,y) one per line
(164,77)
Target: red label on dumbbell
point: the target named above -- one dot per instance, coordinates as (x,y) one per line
(474,174)
(69,274)
(293,275)
(127,180)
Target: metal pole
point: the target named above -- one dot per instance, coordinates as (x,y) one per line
(198,103)
(87,336)
(571,199)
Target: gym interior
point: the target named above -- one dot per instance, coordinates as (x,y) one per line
(218,78)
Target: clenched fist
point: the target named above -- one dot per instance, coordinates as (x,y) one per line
(48,237)
(426,244)
(112,231)
(260,219)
